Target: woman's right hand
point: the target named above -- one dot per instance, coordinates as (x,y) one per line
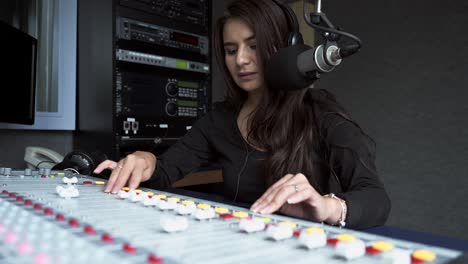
(133,169)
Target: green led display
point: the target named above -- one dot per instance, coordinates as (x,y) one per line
(187,103)
(188,84)
(181,64)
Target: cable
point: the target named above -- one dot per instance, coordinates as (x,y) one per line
(73,170)
(45,161)
(245,161)
(240,173)
(330,30)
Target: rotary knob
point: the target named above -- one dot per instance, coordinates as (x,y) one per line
(171,89)
(171,108)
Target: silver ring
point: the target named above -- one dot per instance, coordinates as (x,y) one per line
(119,166)
(296,189)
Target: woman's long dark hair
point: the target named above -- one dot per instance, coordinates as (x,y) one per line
(283,123)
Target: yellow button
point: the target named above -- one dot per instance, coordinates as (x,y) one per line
(221,210)
(149,193)
(203,206)
(125,189)
(60,173)
(51,176)
(291,224)
(161,196)
(424,255)
(176,199)
(187,202)
(264,219)
(312,230)
(383,246)
(346,237)
(99,183)
(138,191)
(240,214)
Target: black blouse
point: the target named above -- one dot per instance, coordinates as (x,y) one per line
(216,139)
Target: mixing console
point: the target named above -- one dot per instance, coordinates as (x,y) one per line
(59,217)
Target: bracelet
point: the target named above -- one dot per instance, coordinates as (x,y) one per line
(344,209)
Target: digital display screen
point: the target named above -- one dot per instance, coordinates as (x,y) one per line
(185,38)
(182,64)
(187,84)
(187,103)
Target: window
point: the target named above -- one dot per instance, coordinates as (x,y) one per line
(54,24)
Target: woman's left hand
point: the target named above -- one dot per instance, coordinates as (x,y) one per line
(293,195)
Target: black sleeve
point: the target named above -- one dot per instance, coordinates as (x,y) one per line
(187,155)
(351,156)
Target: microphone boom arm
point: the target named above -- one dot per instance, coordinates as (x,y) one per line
(319,21)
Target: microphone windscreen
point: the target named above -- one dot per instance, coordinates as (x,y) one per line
(281,71)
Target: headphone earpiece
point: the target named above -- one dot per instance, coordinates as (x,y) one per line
(81,161)
(295,38)
(283,62)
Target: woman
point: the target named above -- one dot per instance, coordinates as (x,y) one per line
(293,152)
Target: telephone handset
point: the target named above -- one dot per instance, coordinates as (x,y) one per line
(39,157)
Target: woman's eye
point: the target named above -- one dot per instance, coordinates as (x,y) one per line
(254,47)
(230,51)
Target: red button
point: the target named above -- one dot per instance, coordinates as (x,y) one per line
(107,238)
(12,195)
(28,202)
(89,230)
(20,199)
(152,259)
(416,260)
(48,211)
(43,176)
(332,241)
(226,216)
(4,192)
(38,206)
(372,251)
(129,248)
(87,182)
(73,223)
(60,217)
(297,233)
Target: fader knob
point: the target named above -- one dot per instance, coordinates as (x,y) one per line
(60,217)
(48,211)
(152,259)
(129,248)
(107,238)
(89,230)
(27,172)
(46,172)
(7,172)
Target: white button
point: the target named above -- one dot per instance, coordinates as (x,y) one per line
(350,249)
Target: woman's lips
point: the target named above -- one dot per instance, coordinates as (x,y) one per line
(246,76)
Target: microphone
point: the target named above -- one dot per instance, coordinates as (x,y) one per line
(297,67)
